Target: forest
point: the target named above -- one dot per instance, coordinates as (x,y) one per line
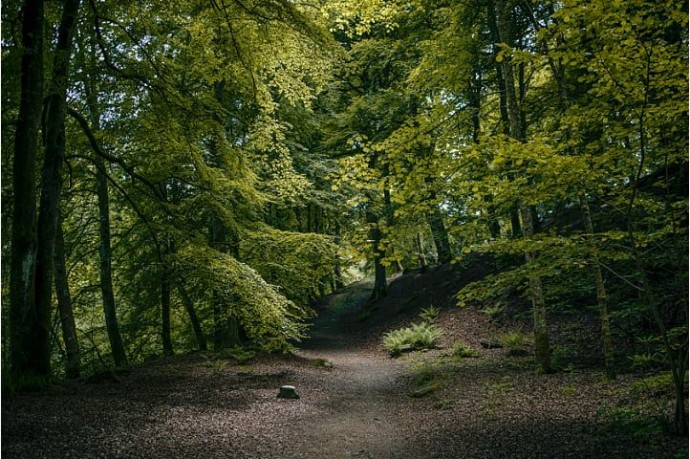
(193,175)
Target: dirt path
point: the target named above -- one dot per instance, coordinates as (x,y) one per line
(358,411)
(361,410)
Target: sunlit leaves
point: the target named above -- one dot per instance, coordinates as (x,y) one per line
(270,319)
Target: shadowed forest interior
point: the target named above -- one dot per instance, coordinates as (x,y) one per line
(195,176)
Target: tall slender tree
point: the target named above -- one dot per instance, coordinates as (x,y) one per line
(30,352)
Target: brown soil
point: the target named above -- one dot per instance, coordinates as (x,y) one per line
(491,406)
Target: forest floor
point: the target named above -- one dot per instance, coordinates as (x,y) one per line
(355,401)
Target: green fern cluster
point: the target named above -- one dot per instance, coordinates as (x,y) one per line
(430,314)
(416,336)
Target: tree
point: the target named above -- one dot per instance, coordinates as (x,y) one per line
(65,310)
(30,355)
(516,132)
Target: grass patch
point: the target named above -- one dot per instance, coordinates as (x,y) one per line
(656,385)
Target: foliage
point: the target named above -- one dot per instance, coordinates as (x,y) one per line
(301,264)
(560,356)
(242,355)
(654,385)
(494,310)
(463,350)
(515,341)
(430,314)
(268,318)
(253,152)
(417,336)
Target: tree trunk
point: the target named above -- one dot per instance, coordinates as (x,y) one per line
(337,267)
(541,337)
(676,353)
(494,225)
(163,253)
(380,282)
(515,226)
(475,99)
(104,248)
(29,354)
(439,234)
(502,36)
(541,333)
(193,318)
(420,254)
(69,328)
(105,253)
(601,295)
(165,314)
(55,107)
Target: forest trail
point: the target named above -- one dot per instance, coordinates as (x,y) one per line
(355,406)
(366,411)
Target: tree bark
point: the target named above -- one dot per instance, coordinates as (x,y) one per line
(541,332)
(439,234)
(104,245)
(51,180)
(105,252)
(54,156)
(29,354)
(67,323)
(193,318)
(337,266)
(380,281)
(168,248)
(423,265)
(601,295)
(165,315)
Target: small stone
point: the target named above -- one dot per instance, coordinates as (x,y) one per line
(287,392)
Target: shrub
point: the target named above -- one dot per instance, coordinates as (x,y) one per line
(416,336)
(430,314)
(463,350)
(494,311)
(515,342)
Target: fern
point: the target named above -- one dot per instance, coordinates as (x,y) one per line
(416,336)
